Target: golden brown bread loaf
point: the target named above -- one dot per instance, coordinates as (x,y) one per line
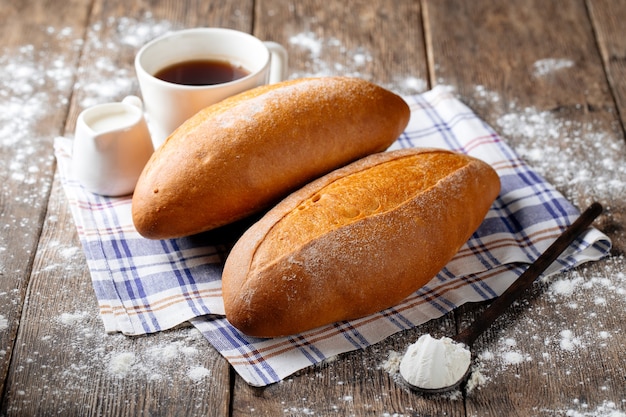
(245,153)
(356,241)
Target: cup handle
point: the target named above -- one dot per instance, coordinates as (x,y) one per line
(278,64)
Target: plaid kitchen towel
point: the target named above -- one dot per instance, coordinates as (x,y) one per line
(145,286)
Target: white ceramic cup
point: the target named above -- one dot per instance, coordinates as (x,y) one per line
(168,105)
(112,145)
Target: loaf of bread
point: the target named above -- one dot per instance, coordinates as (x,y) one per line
(356,241)
(247,152)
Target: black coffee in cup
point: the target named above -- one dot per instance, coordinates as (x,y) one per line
(201,72)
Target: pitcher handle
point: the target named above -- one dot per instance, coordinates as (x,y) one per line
(133,101)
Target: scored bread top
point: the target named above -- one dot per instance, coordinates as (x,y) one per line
(356,196)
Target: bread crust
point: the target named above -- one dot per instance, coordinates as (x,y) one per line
(362,266)
(238,157)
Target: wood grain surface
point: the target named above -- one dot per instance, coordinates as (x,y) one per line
(549,76)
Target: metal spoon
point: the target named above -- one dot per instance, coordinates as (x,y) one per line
(500,304)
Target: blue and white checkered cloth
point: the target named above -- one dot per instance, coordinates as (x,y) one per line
(145,286)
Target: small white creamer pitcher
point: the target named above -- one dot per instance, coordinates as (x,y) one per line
(112,144)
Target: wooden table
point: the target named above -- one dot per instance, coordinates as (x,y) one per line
(550,76)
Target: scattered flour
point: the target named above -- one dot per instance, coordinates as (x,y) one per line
(355,60)
(120,364)
(512,358)
(582,409)
(32,82)
(135,33)
(570,154)
(568,341)
(166,358)
(310,42)
(476,379)
(71,319)
(606,409)
(352,62)
(392,363)
(555,148)
(157,361)
(68,253)
(565,287)
(198,373)
(107,80)
(35,83)
(4,323)
(547,66)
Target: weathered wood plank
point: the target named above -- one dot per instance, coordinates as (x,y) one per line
(532,70)
(34,89)
(379,41)
(63,361)
(608,19)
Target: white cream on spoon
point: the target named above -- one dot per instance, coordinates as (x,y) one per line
(433,364)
